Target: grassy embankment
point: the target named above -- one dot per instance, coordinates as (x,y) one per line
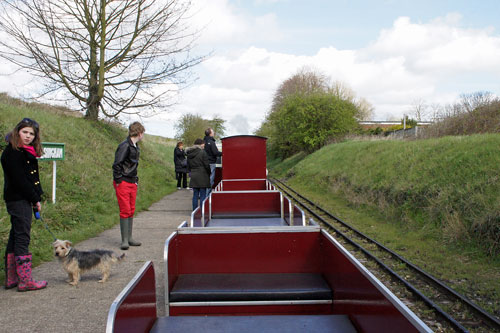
(85,199)
(436,202)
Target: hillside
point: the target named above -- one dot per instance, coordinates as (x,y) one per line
(435,201)
(86,203)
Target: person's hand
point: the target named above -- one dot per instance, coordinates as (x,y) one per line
(38,206)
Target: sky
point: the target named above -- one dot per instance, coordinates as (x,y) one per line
(394,54)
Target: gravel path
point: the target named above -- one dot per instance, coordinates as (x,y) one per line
(84,308)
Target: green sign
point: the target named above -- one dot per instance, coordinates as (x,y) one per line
(52,151)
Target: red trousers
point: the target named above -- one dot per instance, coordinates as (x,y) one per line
(126,194)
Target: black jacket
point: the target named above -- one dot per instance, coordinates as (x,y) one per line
(21,177)
(126,162)
(199,167)
(180,160)
(211,149)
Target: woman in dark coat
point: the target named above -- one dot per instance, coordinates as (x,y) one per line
(22,194)
(198,165)
(180,162)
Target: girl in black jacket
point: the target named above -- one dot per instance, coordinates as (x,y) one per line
(22,193)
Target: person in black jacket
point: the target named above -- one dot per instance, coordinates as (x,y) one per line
(212,152)
(199,167)
(125,181)
(180,163)
(22,194)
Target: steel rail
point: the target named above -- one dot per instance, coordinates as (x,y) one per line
(490,319)
(456,325)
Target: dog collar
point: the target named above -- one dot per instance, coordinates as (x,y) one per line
(69,252)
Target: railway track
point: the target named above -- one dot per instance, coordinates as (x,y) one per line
(440,306)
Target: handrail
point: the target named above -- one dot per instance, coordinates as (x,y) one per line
(249,191)
(291,207)
(282,210)
(165,263)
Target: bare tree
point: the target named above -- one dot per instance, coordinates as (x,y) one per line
(112,56)
(344,92)
(305,81)
(365,109)
(419,109)
(436,111)
(474,100)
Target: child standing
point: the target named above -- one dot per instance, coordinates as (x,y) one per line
(22,193)
(125,181)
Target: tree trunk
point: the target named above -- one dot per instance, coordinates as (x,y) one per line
(93,99)
(92,108)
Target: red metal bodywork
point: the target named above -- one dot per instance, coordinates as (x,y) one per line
(277,252)
(244,185)
(244,157)
(229,203)
(234,204)
(137,311)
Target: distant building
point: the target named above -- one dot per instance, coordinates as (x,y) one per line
(372,124)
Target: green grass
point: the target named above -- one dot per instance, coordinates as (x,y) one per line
(85,202)
(434,201)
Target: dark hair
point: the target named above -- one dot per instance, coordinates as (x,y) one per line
(15,139)
(135,129)
(178,144)
(207,131)
(198,141)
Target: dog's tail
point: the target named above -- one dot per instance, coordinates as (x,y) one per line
(118,258)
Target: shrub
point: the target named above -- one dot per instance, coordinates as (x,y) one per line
(483,119)
(306,123)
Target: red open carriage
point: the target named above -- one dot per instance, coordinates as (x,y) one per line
(248,261)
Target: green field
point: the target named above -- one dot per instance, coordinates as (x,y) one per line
(86,204)
(436,202)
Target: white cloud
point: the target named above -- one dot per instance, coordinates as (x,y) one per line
(440,45)
(408,61)
(431,61)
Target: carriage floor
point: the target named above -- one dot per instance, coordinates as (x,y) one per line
(257,324)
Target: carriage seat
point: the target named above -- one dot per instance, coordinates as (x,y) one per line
(250,287)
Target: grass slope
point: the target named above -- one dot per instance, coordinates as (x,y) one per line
(85,201)
(435,201)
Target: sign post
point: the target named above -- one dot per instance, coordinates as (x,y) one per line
(53,152)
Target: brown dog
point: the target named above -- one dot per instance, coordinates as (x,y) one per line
(75,262)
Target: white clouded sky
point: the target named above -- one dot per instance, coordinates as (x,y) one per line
(389,52)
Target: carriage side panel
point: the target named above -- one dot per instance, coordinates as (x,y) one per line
(234,203)
(249,253)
